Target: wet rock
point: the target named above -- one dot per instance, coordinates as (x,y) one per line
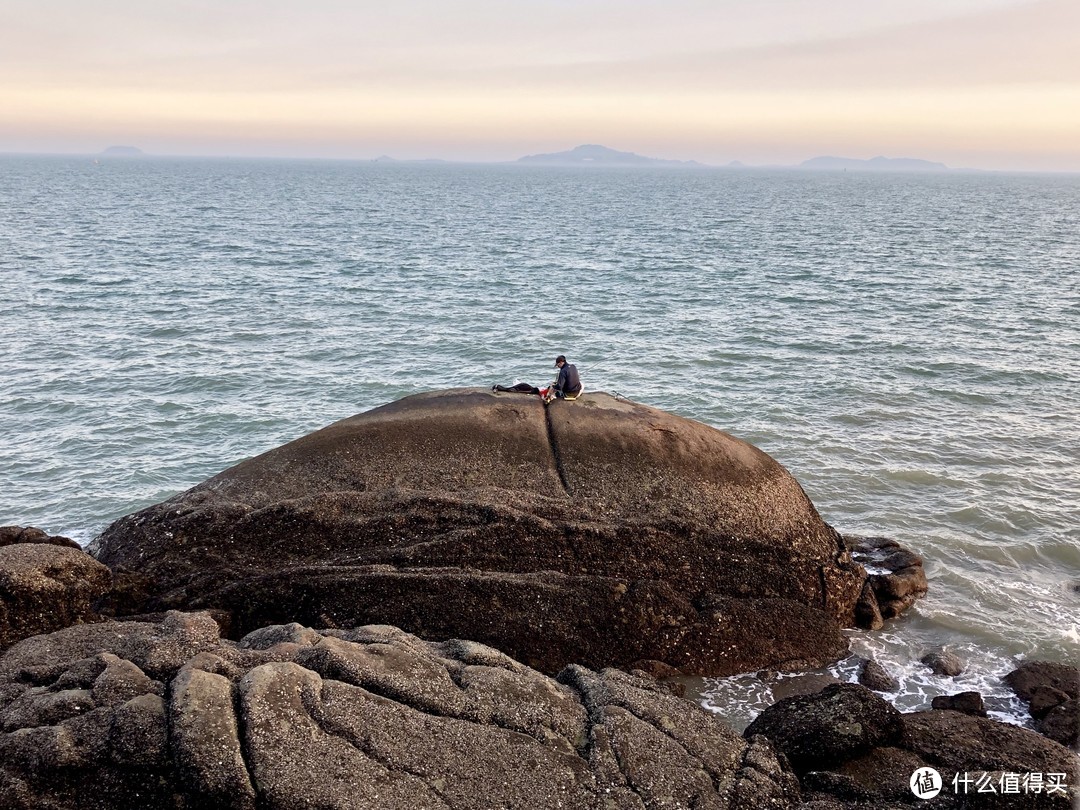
(958,742)
(961,747)
(367,717)
(966,702)
(875,779)
(1043,699)
(10,535)
(602,531)
(943,663)
(1026,678)
(1051,690)
(867,611)
(657,669)
(1062,723)
(808,684)
(874,676)
(898,582)
(44,587)
(842,722)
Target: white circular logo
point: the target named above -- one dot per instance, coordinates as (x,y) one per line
(925,783)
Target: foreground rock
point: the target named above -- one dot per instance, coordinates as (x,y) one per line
(137,714)
(12,535)
(599,532)
(45,584)
(837,724)
(853,749)
(1052,692)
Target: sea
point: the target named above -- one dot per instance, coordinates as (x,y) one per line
(907,345)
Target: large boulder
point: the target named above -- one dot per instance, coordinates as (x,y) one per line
(141,714)
(45,586)
(599,532)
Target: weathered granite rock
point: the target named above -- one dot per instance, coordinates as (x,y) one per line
(599,532)
(972,750)
(1062,723)
(46,586)
(1044,699)
(840,723)
(897,580)
(966,702)
(944,663)
(1029,677)
(953,742)
(1051,690)
(874,676)
(138,714)
(10,535)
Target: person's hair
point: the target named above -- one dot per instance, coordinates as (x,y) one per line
(561,358)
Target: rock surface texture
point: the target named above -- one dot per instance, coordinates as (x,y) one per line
(599,532)
(1052,692)
(12,535)
(896,581)
(137,714)
(852,749)
(45,583)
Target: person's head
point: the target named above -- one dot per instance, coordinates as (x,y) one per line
(560,361)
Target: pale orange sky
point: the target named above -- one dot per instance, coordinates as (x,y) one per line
(985,83)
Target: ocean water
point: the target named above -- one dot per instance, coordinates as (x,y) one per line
(907,345)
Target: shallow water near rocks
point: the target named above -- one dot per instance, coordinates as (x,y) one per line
(906,345)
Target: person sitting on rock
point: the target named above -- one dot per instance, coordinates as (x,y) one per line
(568,385)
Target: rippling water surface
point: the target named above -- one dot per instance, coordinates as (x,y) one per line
(907,345)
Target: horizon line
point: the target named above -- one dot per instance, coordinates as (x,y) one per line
(677,165)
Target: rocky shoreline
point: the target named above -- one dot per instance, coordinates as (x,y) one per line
(467,600)
(163,711)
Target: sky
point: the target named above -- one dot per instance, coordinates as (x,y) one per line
(991,84)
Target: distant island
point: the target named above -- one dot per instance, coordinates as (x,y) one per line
(123,151)
(878,164)
(596,155)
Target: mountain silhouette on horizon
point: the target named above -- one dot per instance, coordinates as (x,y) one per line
(592,154)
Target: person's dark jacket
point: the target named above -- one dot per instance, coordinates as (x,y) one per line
(568,383)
